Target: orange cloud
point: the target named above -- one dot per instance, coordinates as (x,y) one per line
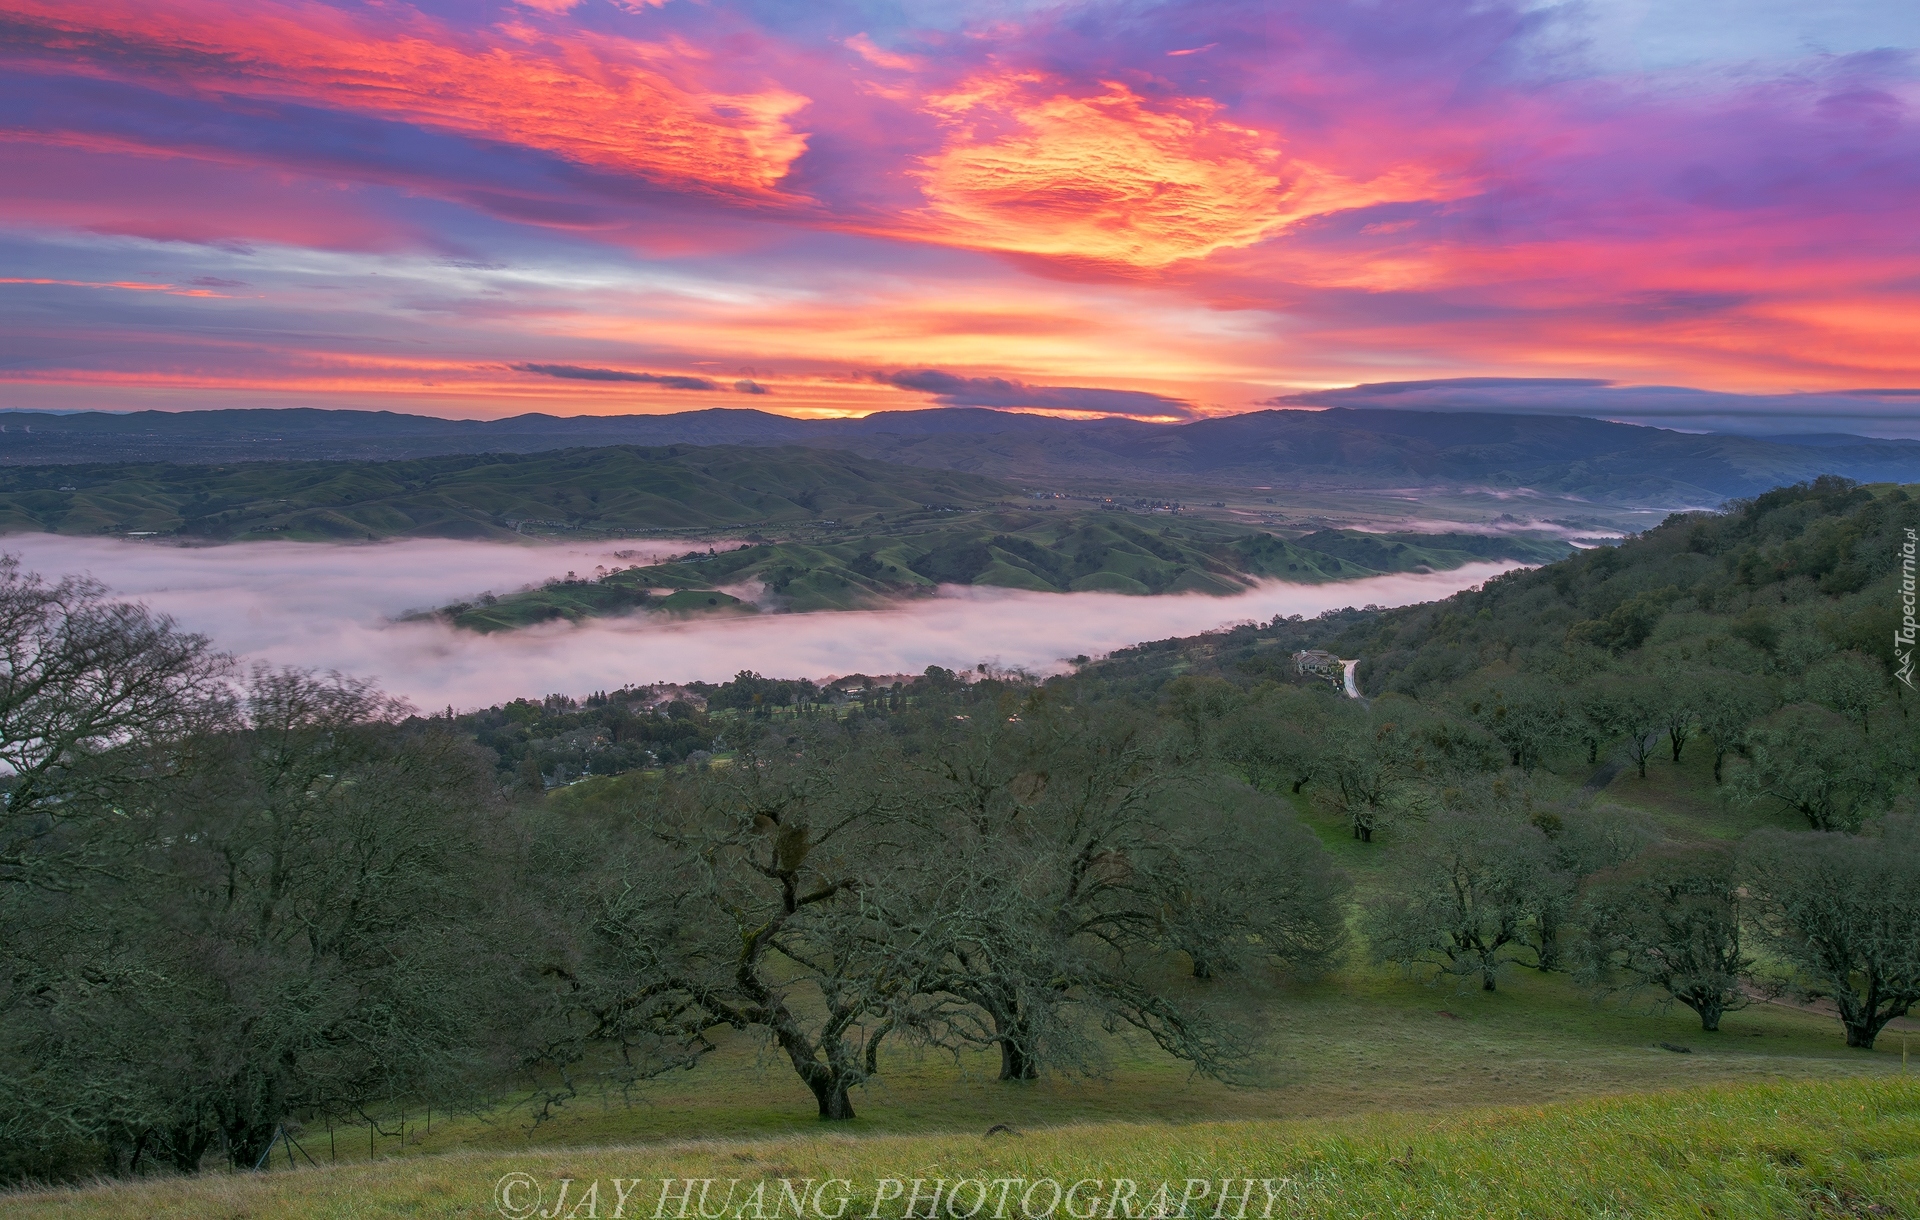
(1111,178)
(590,99)
(121,285)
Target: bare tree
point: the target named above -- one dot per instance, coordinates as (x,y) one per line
(1463,897)
(305,935)
(97,697)
(1127,854)
(1641,708)
(1527,715)
(1017,881)
(1728,703)
(1843,912)
(768,895)
(1668,919)
(1372,767)
(1813,762)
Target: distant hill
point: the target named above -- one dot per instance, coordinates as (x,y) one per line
(1339,447)
(902,554)
(617,490)
(304,433)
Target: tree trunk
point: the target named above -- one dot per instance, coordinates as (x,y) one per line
(247,1140)
(828,1081)
(1719,757)
(1548,949)
(186,1145)
(830,1090)
(1017,1060)
(1864,1016)
(1016,1063)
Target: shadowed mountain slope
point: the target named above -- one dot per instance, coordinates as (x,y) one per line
(610,491)
(1339,447)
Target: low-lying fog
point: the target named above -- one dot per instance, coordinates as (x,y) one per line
(331,607)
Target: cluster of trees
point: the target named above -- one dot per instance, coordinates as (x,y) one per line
(540,743)
(1838,915)
(227,898)
(1755,635)
(1011,878)
(1485,874)
(236,900)
(536,743)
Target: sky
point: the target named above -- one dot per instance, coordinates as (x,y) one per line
(1702,210)
(332,607)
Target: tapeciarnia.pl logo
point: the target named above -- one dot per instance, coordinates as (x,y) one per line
(1903,638)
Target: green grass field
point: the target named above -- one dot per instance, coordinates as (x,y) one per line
(1529,1101)
(1828,1149)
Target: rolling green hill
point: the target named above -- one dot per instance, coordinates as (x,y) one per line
(612,491)
(1052,552)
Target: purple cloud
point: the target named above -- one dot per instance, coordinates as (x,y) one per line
(575,372)
(951,390)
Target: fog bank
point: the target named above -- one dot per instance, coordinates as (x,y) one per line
(330,607)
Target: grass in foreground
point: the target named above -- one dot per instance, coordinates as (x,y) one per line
(1841,1148)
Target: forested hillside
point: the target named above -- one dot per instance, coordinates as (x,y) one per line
(620,491)
(1786,585)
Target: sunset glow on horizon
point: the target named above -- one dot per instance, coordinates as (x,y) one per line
(1150,210)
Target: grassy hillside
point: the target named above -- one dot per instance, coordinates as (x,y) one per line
(1053,552)
(619,490)
(1782,1150)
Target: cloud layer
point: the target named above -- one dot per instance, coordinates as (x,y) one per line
(1875,412)
(951,390)
(350,202)
(329,607)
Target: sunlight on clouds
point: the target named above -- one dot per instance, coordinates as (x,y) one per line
(1111,178)
(597,101)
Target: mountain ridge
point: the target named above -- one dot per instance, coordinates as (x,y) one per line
(1337,447)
